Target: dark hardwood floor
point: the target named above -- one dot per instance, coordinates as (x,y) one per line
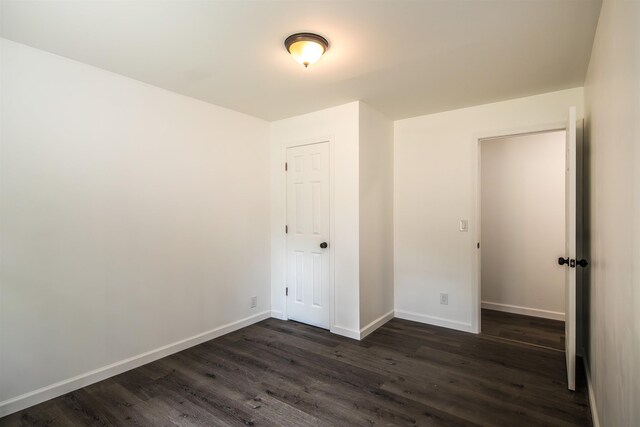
(280,373)
(527,329)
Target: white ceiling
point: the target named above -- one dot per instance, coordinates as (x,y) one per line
(405,58)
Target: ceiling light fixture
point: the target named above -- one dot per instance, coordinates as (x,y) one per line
(306,48)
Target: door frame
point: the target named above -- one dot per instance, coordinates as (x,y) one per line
(299,143)
(476,167)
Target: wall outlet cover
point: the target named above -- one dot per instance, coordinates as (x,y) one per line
(444,299)
(254,301)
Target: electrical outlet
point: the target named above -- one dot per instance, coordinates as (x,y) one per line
(444,299)
(254,302)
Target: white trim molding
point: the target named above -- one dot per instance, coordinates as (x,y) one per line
(592,395)
(353,333)
(376,324)
(527,311)
(345,332)
(435,321)
(40,395)
(276,314)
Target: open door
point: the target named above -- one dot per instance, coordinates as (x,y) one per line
(570,249)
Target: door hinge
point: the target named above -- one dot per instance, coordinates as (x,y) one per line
(285,166)
(286,229)
(286,292)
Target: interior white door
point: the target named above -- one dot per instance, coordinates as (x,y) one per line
(308,245)
(570,249)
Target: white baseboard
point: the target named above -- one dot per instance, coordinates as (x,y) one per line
(432,320)
(277,315)
(592,396)
(376,324)
(345,332)
(516,309)
(58,389)
(350,333)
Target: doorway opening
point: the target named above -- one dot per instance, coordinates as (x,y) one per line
(523,202)
(571,259)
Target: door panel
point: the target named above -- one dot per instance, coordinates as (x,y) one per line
(570,250)
(308,265)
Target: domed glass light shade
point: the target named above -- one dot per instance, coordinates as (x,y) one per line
(306,48)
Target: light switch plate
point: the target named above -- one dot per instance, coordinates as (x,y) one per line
(464,225)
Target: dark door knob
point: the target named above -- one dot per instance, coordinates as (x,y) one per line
(583,263)
(323,245)
(563,261)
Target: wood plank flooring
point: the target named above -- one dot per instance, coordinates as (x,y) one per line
(278,373)
(533,330)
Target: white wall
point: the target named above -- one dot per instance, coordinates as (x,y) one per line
(435,159)
(339,125)
(376,218)
(131,218)
(523,228)
(612,94)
